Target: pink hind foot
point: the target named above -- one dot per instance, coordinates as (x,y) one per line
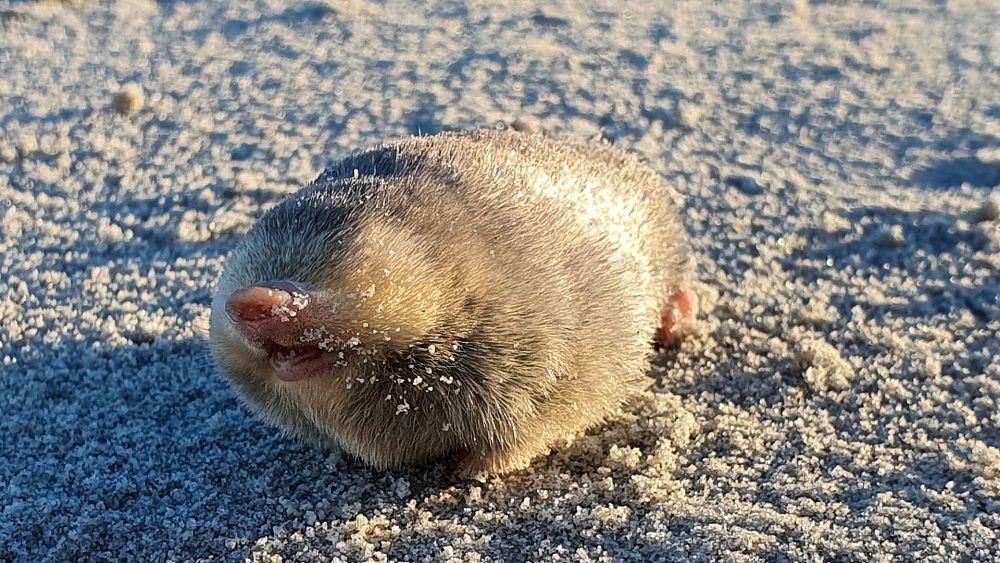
(678,318)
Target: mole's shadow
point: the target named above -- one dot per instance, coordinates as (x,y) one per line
(106,442)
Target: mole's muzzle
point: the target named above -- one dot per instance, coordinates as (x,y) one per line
(285,320)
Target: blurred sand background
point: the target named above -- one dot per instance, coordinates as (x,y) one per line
(841,400)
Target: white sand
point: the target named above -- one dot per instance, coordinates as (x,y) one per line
(841,400)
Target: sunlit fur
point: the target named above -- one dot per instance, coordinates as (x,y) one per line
(503,289)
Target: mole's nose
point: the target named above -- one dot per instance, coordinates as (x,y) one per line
(280,300)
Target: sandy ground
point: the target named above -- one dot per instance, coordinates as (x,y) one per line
(841,400)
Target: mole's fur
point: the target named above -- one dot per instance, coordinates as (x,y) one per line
(472,296)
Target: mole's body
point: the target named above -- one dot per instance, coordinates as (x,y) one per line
(472,295)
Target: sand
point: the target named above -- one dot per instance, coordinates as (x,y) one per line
(840,399)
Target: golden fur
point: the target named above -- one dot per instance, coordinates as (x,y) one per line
(498,291)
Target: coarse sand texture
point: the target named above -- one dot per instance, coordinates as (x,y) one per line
(839,164)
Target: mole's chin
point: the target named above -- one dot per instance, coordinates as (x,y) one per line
(296,364)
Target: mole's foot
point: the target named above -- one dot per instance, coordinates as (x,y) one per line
(678,318)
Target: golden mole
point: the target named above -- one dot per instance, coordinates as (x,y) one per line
(471,296)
